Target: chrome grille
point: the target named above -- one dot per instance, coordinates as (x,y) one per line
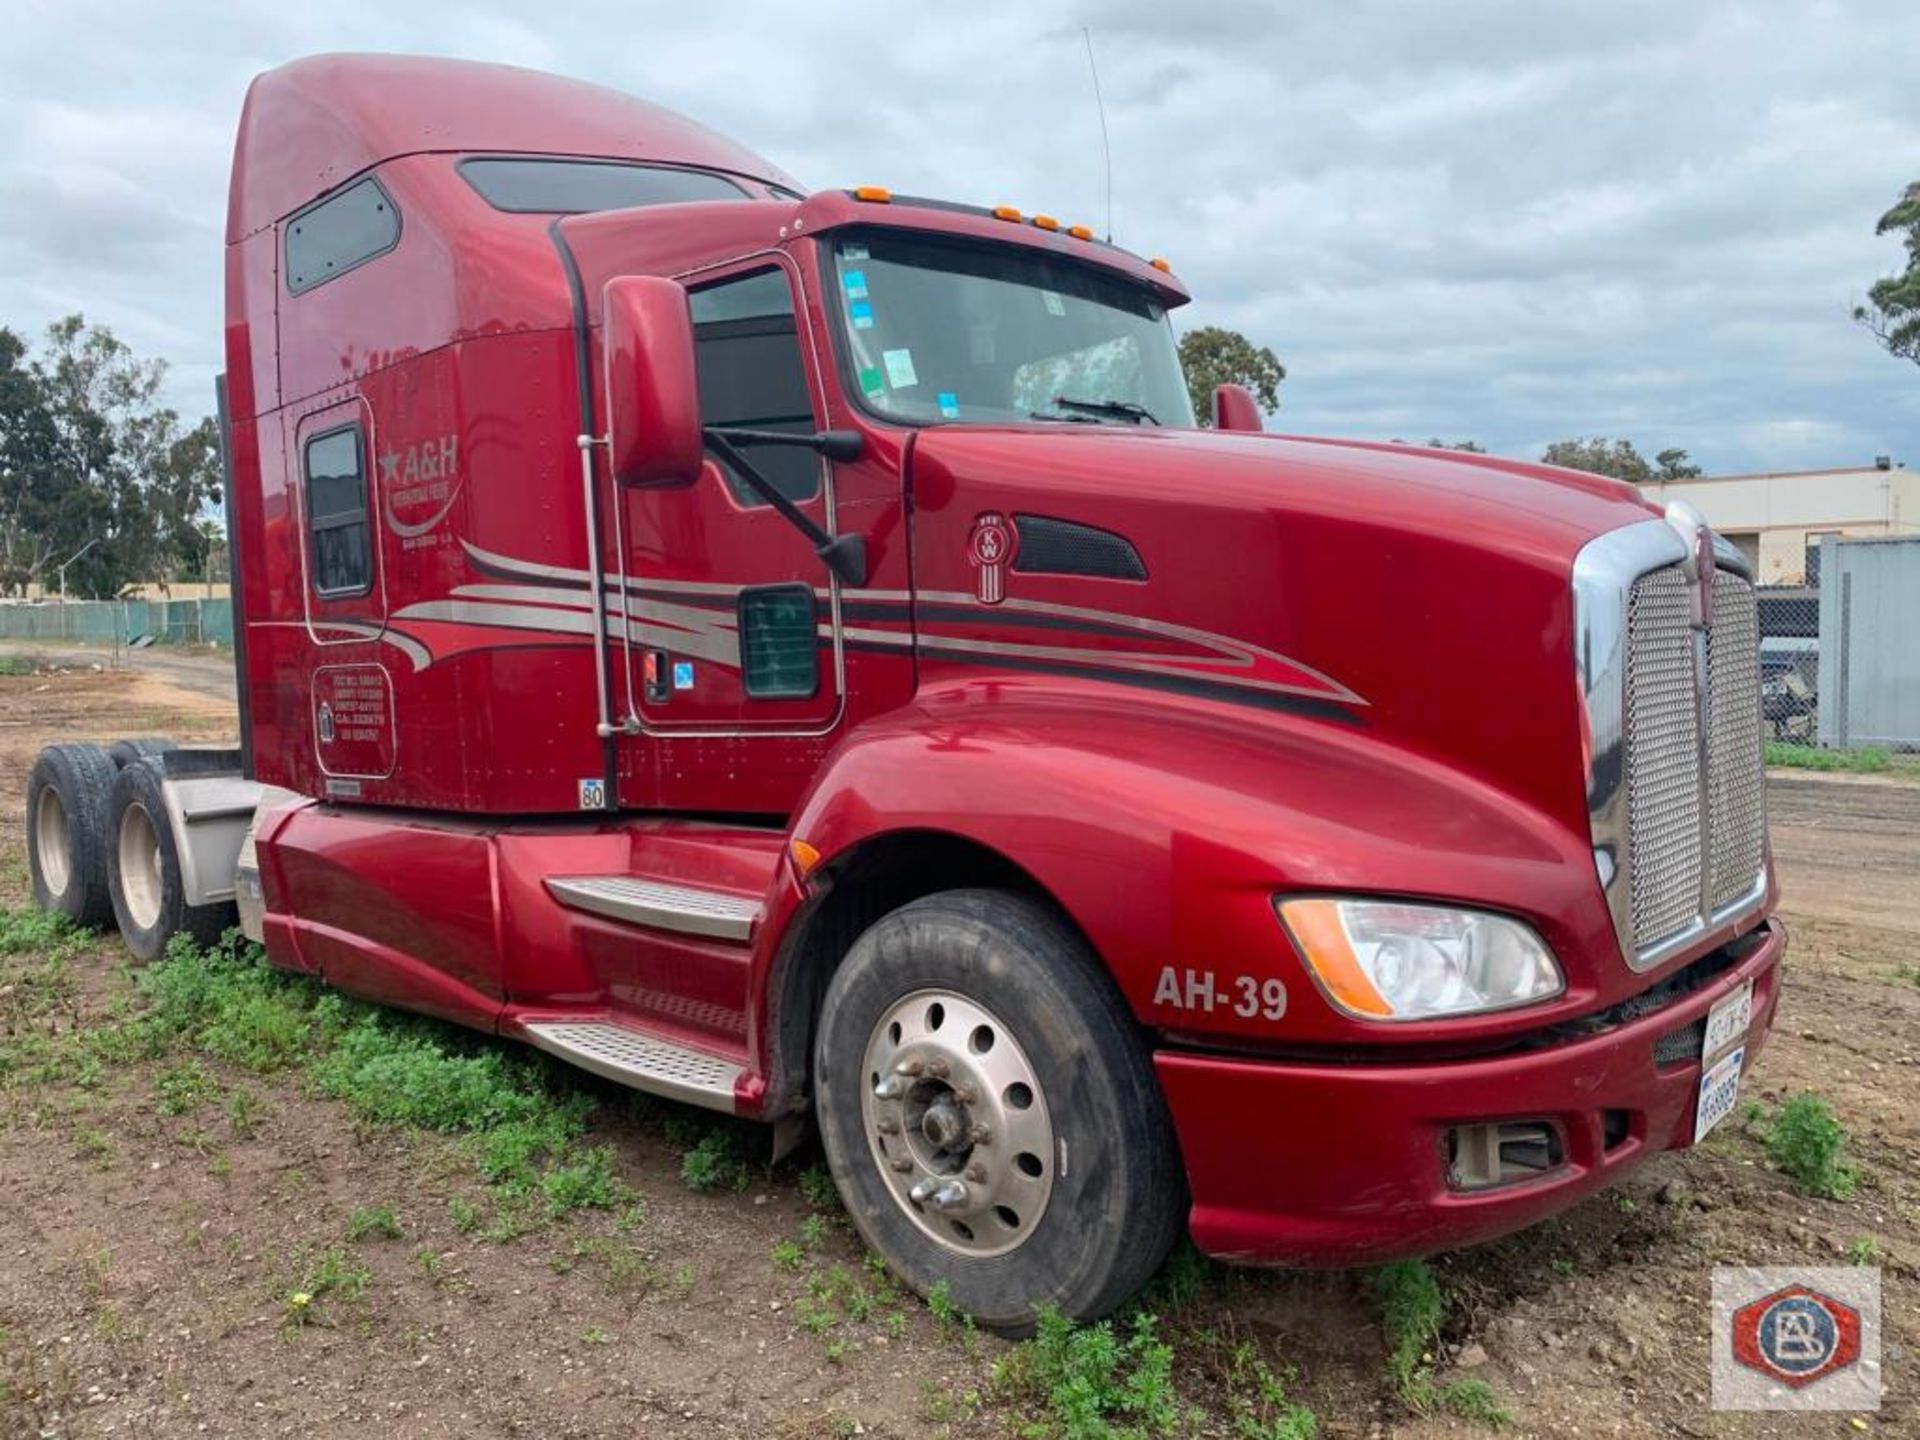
(1736,755)
(1681,868)
(1663,757)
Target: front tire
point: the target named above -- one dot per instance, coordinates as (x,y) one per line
(990,1113)
(67,798)
(143,869)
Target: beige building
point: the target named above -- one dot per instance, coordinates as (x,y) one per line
(1777,520)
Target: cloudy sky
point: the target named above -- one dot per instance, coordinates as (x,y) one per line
(1508,221)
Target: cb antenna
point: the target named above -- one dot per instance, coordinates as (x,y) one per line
(1106,148)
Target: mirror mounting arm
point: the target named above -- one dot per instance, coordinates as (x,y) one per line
(845,555)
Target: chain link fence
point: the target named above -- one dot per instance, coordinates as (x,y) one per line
(124,622)
(1840,655)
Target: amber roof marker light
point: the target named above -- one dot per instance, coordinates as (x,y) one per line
(873,194)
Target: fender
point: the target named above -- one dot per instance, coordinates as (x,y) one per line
(1164,825)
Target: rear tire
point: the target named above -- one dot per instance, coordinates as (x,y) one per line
(143,869)
(1025,1157)
(125,752)
(67,798)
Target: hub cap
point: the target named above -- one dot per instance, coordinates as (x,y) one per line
(53,839)
(957,1122)
(140,866)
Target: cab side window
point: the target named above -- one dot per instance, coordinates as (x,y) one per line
(332,464)
(747,349)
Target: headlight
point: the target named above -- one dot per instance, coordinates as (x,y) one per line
(1385,960)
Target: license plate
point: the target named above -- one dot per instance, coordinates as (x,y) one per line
(1727,1021)
(1719,1093)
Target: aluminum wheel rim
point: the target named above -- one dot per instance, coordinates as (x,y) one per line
(53,840)
(958,1123)
(140,886)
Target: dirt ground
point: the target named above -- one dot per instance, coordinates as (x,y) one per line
(145,1256)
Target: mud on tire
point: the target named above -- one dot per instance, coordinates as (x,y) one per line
(67,797)
(990,1112)
(143,869)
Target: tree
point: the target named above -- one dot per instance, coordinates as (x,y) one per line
(1892,311)
(1213,356)
(1619,459)
(1672,465)
(90,461)
(1465,447)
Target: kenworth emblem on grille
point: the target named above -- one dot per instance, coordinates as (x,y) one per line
(1698,567)
(990,550)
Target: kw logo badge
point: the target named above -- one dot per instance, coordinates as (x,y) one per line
(1792,1339)
(1796,1336)
(990,549)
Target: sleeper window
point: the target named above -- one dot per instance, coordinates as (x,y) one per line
(341,232)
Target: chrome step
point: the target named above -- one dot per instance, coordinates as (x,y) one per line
(630,1058)
(659,906)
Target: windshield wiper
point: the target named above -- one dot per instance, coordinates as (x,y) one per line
(1121,409)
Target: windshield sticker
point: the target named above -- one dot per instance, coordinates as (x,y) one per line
(872,381)
(900,372)
(949,405)
(683,674)
(853,252)
(856,283)
(861,313)
(1055,305)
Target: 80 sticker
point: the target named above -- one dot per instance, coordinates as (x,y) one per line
(1201,991)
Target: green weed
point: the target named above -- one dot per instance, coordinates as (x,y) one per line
(181,1089)
(1258,1403)
(787,1255)
(1865,1251)
(714,1164)
(328,1273)
(1810,1147)
(378,1221)
(1093,1382)
(1412,1309)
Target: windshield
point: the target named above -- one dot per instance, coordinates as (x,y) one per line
(940,330)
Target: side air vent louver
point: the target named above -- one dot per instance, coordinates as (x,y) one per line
(1062,547)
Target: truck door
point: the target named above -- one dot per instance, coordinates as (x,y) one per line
(733,618)
(350,694)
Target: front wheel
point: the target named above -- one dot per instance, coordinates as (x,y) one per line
(990,1113)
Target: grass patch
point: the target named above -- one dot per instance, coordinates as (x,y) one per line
(1867,760)
(328,1273)
(17,665)
(521,1127)
(1413,1307)
(1806,1143)
(1093,1382)
(716,1162)
(377,1221)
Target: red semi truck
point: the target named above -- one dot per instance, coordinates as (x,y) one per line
(795,653)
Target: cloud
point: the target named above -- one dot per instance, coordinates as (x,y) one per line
(1489,219)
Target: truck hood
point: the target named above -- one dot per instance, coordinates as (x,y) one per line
(1420,598)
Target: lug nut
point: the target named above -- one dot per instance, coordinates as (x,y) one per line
(977,1173)
(924,1189)
(901,1163)
(937,1068)
(891,1088)
(980,1135)
(888,1125)
(965,1094)
(908,1067)
(950,1196)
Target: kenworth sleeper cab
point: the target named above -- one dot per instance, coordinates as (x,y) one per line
(796,653)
